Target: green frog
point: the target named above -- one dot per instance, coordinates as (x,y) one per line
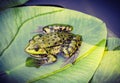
(55,39)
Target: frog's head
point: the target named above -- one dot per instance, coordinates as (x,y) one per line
(33,48)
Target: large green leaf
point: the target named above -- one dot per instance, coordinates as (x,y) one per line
(109,68)
(10,3)
(17,25)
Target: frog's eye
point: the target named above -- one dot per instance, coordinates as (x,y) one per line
(36,48)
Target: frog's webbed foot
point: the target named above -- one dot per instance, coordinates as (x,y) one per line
(70,48)
(57,28)
(47,60)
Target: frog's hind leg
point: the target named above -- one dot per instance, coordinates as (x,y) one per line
(70,48)
(57,28)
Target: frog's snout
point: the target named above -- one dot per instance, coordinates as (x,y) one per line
(27,49)
(34,50)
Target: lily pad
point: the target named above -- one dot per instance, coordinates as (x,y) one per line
(17,25)
(109,68)
(10,3)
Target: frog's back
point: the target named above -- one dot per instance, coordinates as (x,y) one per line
(54,39)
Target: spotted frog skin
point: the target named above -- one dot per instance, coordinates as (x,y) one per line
(57,38)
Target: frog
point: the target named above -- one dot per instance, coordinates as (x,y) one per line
(55,39)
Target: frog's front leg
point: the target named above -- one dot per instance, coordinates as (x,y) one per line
(47,59)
